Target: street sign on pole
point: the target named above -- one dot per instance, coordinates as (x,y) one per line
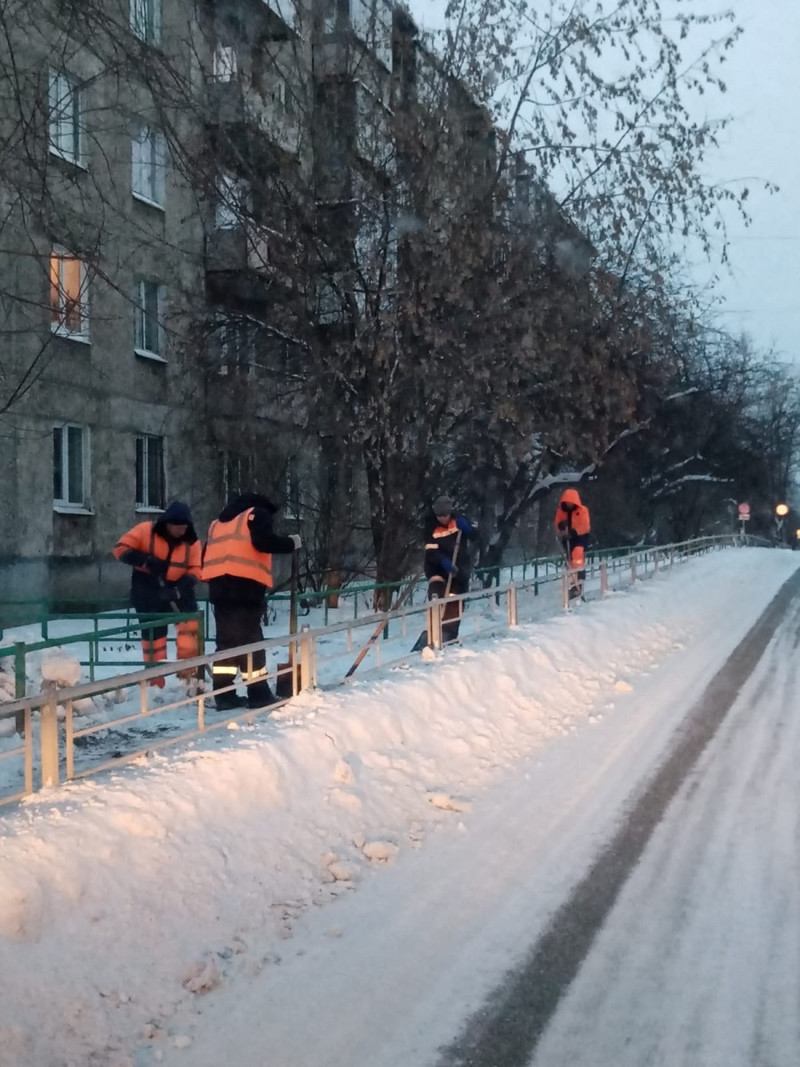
(744,511)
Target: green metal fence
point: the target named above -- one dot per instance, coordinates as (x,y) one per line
(366,599)
(96,638)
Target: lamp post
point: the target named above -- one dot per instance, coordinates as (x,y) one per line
(781,511)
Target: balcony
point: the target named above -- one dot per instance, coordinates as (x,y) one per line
(236,103)
(246,261)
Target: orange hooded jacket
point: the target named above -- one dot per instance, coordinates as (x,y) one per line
(572,522)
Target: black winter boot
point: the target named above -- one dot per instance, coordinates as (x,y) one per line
(259,695)
(227,701)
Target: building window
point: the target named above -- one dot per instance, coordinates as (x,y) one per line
(150,488)
(225,64)
(149,165)
(233,201)
(237,474)
(239,340)
(332,10)
(69,296)
(148,333)
(146,20)
(291,507)
(330,304)
(70,466)
(65,118)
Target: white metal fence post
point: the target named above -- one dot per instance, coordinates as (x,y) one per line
(512,606)
(435,610)
(603,578)
(48,728)
(307,666)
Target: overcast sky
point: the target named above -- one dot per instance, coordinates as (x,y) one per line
(759,295)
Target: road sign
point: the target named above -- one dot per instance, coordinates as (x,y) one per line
(744,511)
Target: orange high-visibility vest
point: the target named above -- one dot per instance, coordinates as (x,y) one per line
(229,551)
(183,558)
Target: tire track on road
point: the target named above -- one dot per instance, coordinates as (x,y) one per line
(507,1029)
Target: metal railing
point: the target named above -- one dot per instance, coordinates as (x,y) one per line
(95,639)
(47,746)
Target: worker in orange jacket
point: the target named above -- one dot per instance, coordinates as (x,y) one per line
(238,566)
(573,528)
(166,559)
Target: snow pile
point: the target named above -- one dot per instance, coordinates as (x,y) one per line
(130,903)
(61,671)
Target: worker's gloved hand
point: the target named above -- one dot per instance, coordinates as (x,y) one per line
(464,525)
(183,593)
(448,567)
(156,567)
(297,541)
(562,525)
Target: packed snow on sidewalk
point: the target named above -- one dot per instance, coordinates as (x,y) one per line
(129,904)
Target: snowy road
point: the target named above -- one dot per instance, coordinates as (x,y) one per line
(369,877)
(668,982)
(698,964)
(395,978)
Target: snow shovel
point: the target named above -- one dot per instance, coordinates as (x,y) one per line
(422,640)
(401,600)
(574,582)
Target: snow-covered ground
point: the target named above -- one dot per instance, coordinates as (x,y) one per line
(344,883)
(66,664)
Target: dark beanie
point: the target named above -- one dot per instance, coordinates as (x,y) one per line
(443,505)
(177,514)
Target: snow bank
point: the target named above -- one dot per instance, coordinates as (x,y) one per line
(125,903)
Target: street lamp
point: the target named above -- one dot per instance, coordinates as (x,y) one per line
(781,511)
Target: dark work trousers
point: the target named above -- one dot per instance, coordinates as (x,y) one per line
(240,624)
(148,600)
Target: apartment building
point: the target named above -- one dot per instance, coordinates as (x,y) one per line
(195,193)
(129,281)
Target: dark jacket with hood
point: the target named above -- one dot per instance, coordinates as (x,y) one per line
(440,545)
(263,538)
(165,568)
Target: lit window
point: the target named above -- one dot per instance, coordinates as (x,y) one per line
(146,20)
(149,165)
(150,472)
(148,334)
(69,297)
(70,466)
(65,118)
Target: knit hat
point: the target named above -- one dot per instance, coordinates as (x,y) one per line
(443,505)
(177,514)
